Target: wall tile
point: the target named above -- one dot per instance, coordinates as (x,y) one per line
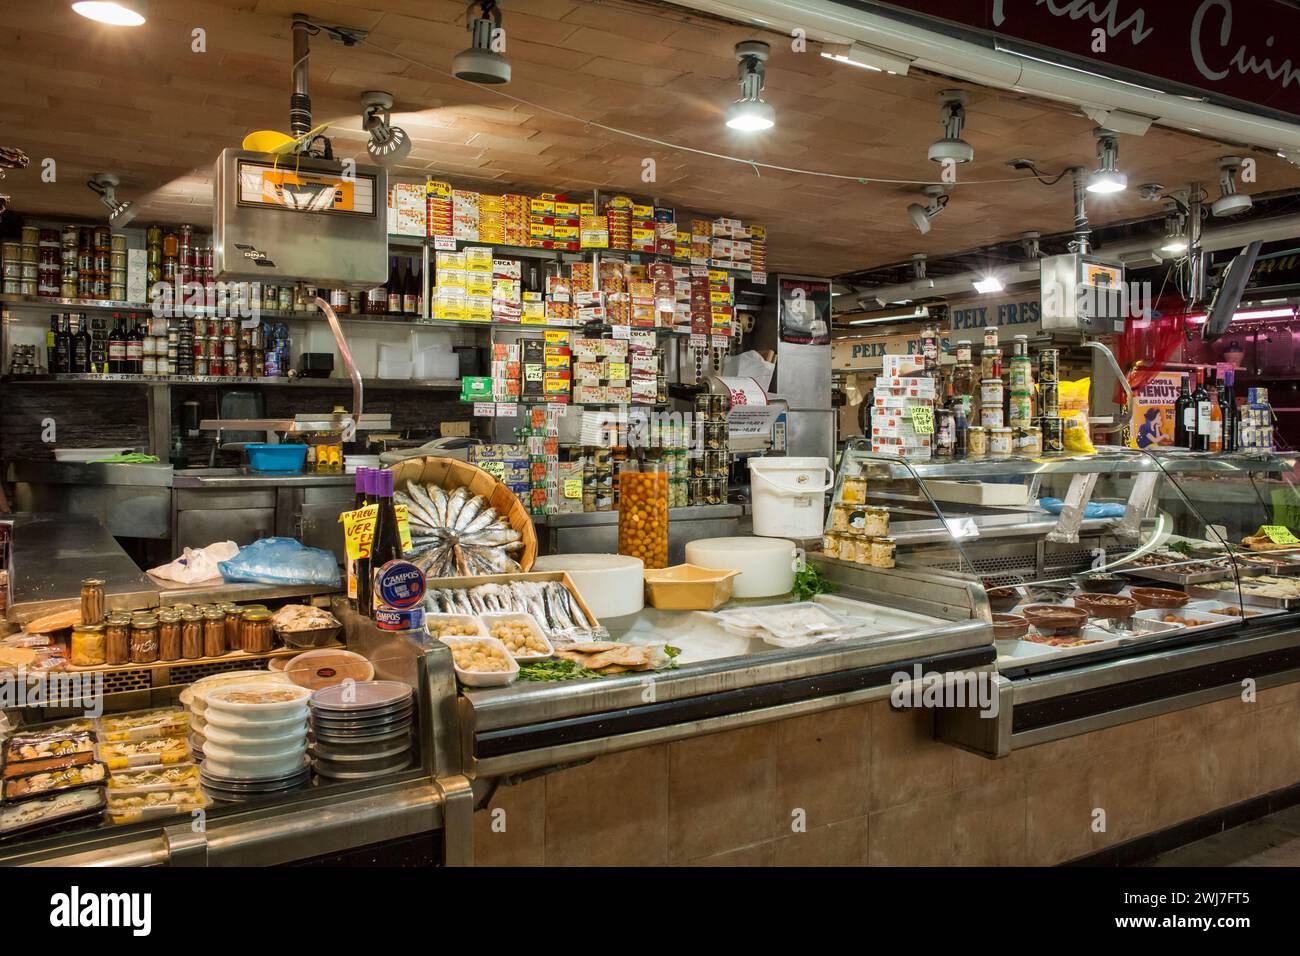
(1058,817)
(758,854)
(721,792)
(822,767)
(1233,745)
(906,761)
(988,826)
(523,840)
(610,812)
(1279,746)
(1123,785)
(839,844)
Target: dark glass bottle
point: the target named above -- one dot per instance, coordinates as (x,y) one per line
(394,288)
(134,348)
(81,345)
(1201,398)
(1228,406)
(411,290)
(361,568)
(387,543)
(52,346)
(63,344)
(117,346)
(1184,417)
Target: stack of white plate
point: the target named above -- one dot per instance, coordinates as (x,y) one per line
(255,740)
(361,730)
(195,700)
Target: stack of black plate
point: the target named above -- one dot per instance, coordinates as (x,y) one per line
(361,730)
(230,789)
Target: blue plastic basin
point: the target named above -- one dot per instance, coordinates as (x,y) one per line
(276,459)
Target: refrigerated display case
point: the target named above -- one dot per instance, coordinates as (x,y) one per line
(1120,585)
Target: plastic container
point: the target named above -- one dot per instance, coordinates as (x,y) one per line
(276,459)
(253,729)
(686,587)
(766,565)
(234,764)
(454,625)
(236,741)
(788,496)
(517,617)
(326,667)
(643,512)
(484,678)
(257,701)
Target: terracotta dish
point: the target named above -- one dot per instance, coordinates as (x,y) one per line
(1009,627)
(1159,597)
(1054,619)
(1107,606)
(1004,599)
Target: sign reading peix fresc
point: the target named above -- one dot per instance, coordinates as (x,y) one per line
(1022,316)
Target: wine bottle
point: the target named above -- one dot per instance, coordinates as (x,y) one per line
(1184,416)
(81,346)
(63,345)
(411,290)
(358,569)
(52,346)
(1201,398)
(134,347)
(1216,422)
(394,288)
(387,543)
(117,346)
(1228,406)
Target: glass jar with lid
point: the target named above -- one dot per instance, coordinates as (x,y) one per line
(144,639)
(117,639)
(643,512)
(169,634)
(234,626)
(257,631)
(191,634)
(87,648)
(214,632)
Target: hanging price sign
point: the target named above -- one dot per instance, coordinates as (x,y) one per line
(922,419)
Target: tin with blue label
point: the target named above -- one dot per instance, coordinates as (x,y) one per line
(399,584)
(400,619)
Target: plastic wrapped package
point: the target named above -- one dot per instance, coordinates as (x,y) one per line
(53,781)
(122,754)
(132,808)
(1074,416)
(282,561)
(152,779)
(143,724)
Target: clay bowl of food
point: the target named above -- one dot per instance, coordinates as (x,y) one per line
(1158,597)
(1009,627)
(1110,607)
(1004,599)
(1055,620)
(1098,582)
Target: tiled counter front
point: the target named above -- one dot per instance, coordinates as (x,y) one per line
(869,786)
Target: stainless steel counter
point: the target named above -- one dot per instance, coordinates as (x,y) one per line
(49,555)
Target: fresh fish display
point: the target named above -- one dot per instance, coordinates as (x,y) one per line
(549,602)
(457,534)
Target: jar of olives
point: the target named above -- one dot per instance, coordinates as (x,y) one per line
(643,512)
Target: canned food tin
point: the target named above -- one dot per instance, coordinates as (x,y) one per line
(1048,365)
(1053,434)
(1049,399)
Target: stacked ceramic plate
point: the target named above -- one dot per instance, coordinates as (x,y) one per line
(255,740)
(361,730)
(195,699)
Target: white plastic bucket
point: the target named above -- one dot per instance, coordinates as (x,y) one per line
(788,494)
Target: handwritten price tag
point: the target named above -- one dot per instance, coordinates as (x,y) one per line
(403,527)
(1278,534)
(359,531)
(922,419)
(573,487)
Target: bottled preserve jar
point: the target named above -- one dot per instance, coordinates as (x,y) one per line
(214,632)
(191,634)
(234,626)
(88,645)
(92,601)
(257,630)
(144,639)
(169,635)
(117,639)
(643,512)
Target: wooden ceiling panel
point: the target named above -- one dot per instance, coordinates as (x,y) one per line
(140,104)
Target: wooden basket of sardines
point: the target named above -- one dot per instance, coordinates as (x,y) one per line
(463,521)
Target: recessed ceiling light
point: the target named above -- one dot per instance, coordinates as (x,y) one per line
(116,13)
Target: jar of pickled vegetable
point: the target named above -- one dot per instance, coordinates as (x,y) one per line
(643,512)
(257,631)
(214,632)
(191,634)
(144,638)
(87,648)
(234,626)
(117,639)
(169,635)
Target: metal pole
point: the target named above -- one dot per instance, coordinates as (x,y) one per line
(299,101)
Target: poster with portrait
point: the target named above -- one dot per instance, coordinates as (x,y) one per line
(1152,421)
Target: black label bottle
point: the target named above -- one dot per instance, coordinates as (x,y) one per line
(1184,417)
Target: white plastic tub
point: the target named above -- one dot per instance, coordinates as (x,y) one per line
(513,617)
(484,678)
(788,496)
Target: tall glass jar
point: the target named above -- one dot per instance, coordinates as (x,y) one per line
(117,639)
(214,632)
(169,635)
(144,639)
(191,634)
(643,512)
(257,631)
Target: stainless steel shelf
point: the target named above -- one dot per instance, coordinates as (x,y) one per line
(1109,462)
(452,384)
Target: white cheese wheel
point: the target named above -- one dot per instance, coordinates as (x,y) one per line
(610,584)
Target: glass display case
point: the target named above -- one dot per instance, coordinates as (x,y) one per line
(1119,553)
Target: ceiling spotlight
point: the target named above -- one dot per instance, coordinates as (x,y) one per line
(989,284)
(1175,242)
(1230,202)
(481,63)
(115,13)
(866,58)
(751,113)
(1106,178)
(388,145)
(105,186)
(1292,156)
(921,215)
(952,148)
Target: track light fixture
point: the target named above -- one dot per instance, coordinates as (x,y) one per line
(480,63)
(388,145)
(1230,202)
(952,148)
(921,216)
(115,13)
(751,113)
(1175,243)
(1107,178)
(105,186)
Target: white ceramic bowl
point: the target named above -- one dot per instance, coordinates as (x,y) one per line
(257,701)
(224,762)
(237,741)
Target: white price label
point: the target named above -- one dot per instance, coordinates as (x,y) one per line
(507,410)
(485,410)
(621,331)
(698,341)
(444,243)
(721,341)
